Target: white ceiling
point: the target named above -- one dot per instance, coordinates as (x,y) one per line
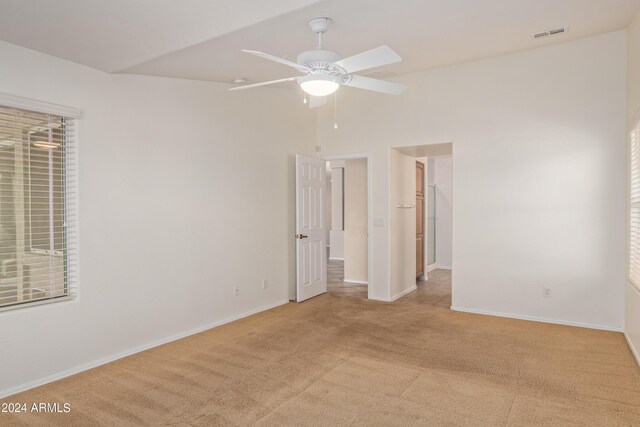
(201,39)
(111,35)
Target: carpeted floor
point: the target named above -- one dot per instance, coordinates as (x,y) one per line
(340,359)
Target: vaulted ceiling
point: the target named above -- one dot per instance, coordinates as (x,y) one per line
(201,39)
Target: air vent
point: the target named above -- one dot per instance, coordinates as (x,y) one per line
(549,33)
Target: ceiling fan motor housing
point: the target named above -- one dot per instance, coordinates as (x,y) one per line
(318,56)
(321,62)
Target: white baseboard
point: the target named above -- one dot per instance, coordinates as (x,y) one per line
(431,267)
(335,259)
(443,267)
(86,366)
(634,350)
(537,319)
(357,282)
(403,293)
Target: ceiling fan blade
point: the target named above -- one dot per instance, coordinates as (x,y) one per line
(277,59)
(376,85)
(288,79)
(377,57)
(317,101)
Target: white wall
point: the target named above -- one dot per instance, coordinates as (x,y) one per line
(177,204)
(632,307)
(402,223)
(539,153)
(336,250)
(442,177)
(355,221)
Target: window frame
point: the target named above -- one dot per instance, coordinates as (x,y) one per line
(71,185)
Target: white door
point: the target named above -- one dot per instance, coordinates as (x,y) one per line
(311,258)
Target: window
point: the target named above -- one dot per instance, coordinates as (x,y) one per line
(634,206)
(37,212)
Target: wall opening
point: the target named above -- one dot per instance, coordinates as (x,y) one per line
(347,215)
(421,225)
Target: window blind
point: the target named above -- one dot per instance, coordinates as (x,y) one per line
(634,206)
(38,244)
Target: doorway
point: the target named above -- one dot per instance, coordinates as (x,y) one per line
(420,238)
(348,221)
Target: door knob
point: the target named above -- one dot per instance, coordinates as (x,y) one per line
(301,236)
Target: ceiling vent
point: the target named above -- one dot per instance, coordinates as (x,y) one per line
(549,33)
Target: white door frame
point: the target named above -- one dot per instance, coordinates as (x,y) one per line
(368,156)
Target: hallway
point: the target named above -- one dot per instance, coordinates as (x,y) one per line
(435,292)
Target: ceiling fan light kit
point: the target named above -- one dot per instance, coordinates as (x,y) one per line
(325,70)
(319,85)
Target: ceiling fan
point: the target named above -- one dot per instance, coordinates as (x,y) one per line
(324,71)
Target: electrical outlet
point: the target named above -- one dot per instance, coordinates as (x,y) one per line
(236,290)
(265,284)
(546,292)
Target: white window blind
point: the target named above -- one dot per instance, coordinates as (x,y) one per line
(634,205)
(38,244)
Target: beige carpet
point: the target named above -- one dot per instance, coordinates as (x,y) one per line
(339,359)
